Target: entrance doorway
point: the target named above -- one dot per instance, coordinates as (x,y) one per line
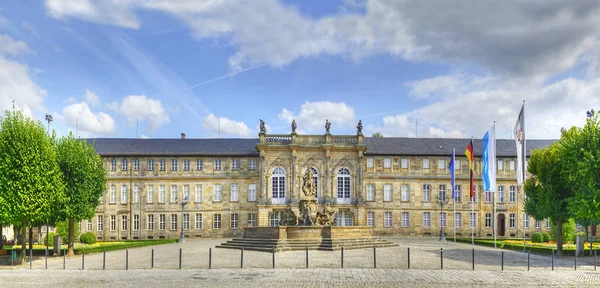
(501,225)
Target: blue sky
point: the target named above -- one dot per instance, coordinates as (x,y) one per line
(214,68)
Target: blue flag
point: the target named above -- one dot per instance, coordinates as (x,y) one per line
(451,167)
(488,159)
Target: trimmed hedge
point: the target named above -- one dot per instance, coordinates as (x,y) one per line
(546,236)
(537,237)
(126,245)
(50,239)
(88,238)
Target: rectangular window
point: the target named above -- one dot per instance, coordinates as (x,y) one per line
(500,194)
(251,192)
(387,219)
(198,221)
(124,164)
(123,194)
(136,194)
(442,191)
(441,164)
(387,163)
(113,194)
(186,165)
(488,220)
(371,219)
(426,219)
(405,190)
(162,222)
(186,221)
(99,222)
(233,221)
(512,220)
(252,164)
(548,223)
(512,196)
(500,166)
(426,192)
(457,193)
(216,221)
(457,220)
(162,194)
(101,198)
(425,163)
(136,165)
(405,219)
(217,165)
(198,165)
(488,196)
(538,224)
(472,220)
(90,225)
(370,192)
(442,222)
(198,193)
(370,163)
(150,195)
(235,164)
(173,193)
(186,193)
(456,164)
(161,164)
(251,220)
(113,222)
(113,165)
(173,221)
(150,222)
(136,222)
(387,192)
(217,193)
(404,163)
(124,222)
(174,165)
(233,193)
(512,165)
(150,165)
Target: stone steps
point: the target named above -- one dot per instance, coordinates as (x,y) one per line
(267,245)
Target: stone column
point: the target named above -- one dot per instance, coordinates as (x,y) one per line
(261,174)
(327,191)
(360,177)
(293,176)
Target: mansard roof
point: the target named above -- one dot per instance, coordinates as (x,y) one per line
(247,147)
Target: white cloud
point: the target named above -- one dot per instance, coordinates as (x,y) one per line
(81,117)
(139,107)
(9,46)
(16,82)
(144,136)
(3,21)
(224,126)
(91,98)
(30,28)
(115,13)
(312,116)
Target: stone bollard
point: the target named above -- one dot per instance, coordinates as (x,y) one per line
(409,258)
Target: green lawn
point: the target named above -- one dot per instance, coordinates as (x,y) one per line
(98,246)
(517,245)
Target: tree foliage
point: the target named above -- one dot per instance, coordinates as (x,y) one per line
(85,179)
(377,135)
(30,179)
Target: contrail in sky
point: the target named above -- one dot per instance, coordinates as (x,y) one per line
(223,77)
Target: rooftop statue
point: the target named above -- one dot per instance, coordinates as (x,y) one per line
(262,127)
(327,125)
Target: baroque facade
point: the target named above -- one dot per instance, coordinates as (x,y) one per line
(389,184)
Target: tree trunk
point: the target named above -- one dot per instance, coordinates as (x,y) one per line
(559,240)
(1,241)
(23,234)
(586,239)
(71,252)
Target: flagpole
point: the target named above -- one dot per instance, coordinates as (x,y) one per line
(523,171)
(454,192)
(493,188)
(471,188)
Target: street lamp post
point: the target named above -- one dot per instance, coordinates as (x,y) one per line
(183,203)
(442,200)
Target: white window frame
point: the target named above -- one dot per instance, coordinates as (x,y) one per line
(387,219)
(457,220)
(370,163)
(526,220)
(186,193)
(512,220)
(512,165)
(405,219)
(198,165)
(217,164)
(150,165)
(235,164)
(90,225)
(488,220)
(174,223)
(113,195)
(124,164)
(217,221)
(150,222)
(538,224)
(387,163)
(442,164)
(370,219)
(217,193)
(173,193)
(234,221)
(387,192)
(426,163)
(162,164)
(426,192)
(113,165)
(234,195)
(251,219)
(500,193)
(442,219)
(344,187)
(198,194)
(186,221)
(548,223)
(174,164)
(198,222)
(150,194)
(251,192)
(124,194)
(162,194)
(252,164)
(472,220)
(136,222)
(136,194)
(404,163)
(457,193)
(442,190)
(99,222)
(512,196)
(113,223)
(405,190)
(124,223)
(427,219)
(162,222)
(370,192)
(136,165)
(274,218)
(278,186)
(500,165)
(457,164)
(186,165)
(488,197)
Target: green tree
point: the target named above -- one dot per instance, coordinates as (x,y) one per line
(547,189)
(85,179)
(30,179)
(377,135)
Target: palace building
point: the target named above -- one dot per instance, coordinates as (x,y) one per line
(389,184)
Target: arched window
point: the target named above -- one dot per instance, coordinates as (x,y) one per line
(274,218)
(278,186)
(343,186)
(316,178)
(344,218)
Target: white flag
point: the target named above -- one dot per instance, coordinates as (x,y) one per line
(488,155)
(519,133)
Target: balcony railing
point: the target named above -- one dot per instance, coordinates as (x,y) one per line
(344,139)
(279,139)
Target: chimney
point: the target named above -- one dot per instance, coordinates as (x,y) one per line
(182,135)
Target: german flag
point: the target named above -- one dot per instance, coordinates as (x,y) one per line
(471,157)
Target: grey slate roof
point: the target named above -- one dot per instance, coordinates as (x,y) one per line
(247,147)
